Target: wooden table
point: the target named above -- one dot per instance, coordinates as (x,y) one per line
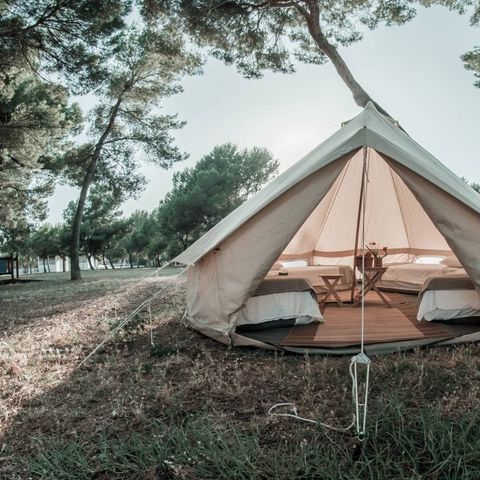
(330,283)
(372,276)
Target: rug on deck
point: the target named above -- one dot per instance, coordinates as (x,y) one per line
(371,299)
(342,328)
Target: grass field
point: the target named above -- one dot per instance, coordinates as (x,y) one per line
(189,408)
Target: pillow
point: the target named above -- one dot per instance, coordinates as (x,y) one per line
(451,261)
(277,266)
(295,263)
(428,260)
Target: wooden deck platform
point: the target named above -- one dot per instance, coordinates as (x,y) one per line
(386,329)
(382,324)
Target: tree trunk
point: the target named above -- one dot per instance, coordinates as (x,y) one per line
(89,258)
(44,266)
(77,223)
(64,264)
(92,164)
(360,96)
(312,17)
(130,260)
(48,263)
(111,263)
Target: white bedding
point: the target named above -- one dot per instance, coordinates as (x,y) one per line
(411,276)
(449,304)
(266,308)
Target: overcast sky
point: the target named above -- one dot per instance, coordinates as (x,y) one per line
(413,71)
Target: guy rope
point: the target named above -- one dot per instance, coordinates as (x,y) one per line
(145,304)
(359,364)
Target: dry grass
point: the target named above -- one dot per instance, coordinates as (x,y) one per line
(132,406)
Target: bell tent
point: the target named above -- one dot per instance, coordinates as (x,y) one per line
(411,202)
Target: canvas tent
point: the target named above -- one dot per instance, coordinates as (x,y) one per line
(415,205)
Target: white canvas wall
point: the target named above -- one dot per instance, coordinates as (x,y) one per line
(393,217)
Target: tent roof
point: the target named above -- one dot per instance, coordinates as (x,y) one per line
(368,129)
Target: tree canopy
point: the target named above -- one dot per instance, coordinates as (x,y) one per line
(42,41)
(258,35)
(201,196)
(50,49)
(35,121)
(125,125)
(60,36)
(218,183)
(472,62)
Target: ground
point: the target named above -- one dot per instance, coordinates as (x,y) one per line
(160,401)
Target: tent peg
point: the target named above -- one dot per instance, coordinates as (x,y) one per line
(358,364)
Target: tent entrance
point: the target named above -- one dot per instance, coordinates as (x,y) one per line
(376,206)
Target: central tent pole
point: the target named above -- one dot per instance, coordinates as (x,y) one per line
(360,363)
(357,230)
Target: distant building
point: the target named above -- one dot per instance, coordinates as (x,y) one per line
(54,264)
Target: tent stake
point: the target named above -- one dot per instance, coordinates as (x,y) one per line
(360,388)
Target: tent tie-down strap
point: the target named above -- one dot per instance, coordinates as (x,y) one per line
(144,304)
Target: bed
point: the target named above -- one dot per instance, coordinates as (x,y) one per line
(447,297)
(312,274)
(409,277)
(280,302)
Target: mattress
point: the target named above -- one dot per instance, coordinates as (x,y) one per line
(284,284)
(411,276)
(312,274)
(448,304)
(301,307)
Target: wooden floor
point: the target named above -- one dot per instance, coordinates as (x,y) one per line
(387,329)
(342,325)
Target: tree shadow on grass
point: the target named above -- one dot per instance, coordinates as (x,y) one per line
(128,388)
(129,408)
